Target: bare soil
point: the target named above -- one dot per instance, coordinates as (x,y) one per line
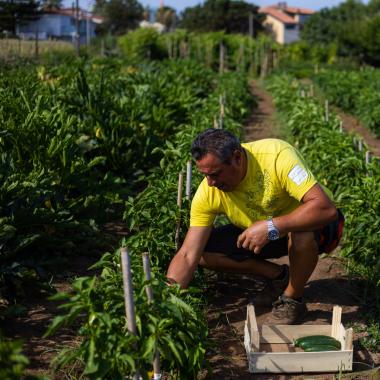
(329,285)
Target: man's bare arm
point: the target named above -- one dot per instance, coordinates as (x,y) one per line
(315,211)
(185,262)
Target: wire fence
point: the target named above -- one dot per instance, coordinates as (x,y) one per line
(17,48)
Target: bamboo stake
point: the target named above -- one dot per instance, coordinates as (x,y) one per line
(216,126)
(221,105)
(221,122)
(188,180)
(179,204)
(149,293)
(128,296)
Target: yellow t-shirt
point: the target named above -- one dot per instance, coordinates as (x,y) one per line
(277,178)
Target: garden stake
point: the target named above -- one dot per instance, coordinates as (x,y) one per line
(367,157)
(179,204)
(128,296)
(149,293)
(188,180)
(221,105)
(221,122)
(326,110)
(341,126)
(216,126)
(360,145)
(221,58)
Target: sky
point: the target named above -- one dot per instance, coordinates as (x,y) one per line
(181,5)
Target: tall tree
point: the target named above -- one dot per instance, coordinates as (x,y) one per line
(224,15)
(17,12)
(328,24)
(120,15)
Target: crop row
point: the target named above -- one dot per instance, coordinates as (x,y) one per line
(217,50)
(338,165)
(79,142)
(356,92)
(74,141)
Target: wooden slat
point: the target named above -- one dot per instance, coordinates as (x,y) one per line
(337,316)
(296,362)
(348,339)
(252,328)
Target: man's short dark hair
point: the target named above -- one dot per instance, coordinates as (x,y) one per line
(219,142)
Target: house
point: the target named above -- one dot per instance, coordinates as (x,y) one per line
(284,22)
(61,24)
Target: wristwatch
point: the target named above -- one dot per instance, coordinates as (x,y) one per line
(273,232)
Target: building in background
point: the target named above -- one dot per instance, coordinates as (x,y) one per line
(61,24)
(285,23)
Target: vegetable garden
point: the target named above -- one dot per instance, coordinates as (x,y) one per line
(95,140)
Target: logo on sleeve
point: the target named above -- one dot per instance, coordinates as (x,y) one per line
(297,175)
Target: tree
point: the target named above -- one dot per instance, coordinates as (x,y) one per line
(120,15)
(222,15)
(16,12)
(167,16)
(328,25)
(50,4)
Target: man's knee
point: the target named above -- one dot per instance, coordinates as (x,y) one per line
(303,242)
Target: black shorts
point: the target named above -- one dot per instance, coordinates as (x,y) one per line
(223,240)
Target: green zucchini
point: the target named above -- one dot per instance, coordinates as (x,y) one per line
(316,340)
(321,347)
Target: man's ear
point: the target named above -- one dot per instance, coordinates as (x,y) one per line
(238,157)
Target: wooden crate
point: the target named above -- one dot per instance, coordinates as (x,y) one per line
(270,347)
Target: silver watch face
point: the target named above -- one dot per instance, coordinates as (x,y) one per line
(273,234)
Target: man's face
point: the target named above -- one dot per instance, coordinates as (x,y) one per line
(225,177)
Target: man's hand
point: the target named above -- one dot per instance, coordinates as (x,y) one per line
(254,237)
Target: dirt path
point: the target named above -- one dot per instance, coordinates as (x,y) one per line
(351,124)
(230,294)
(31,326)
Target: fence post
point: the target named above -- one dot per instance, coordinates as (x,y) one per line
(36,43)
(149,293)
(128,296)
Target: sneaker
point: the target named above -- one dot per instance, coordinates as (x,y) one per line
(287,311)
(272,290)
